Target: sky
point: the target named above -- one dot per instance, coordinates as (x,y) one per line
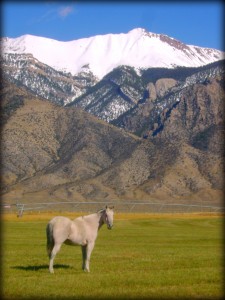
(197,23)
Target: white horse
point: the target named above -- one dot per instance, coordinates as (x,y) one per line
(80,231)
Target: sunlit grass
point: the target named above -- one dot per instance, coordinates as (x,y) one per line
(144,256)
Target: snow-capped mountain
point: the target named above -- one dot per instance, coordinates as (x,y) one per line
(102,53)
(169,145)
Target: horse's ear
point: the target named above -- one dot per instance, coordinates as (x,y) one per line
(110,207)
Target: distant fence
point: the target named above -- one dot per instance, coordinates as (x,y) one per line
(141,207)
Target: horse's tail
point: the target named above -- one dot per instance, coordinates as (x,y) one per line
(50,239)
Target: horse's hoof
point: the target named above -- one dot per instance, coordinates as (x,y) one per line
(86,270)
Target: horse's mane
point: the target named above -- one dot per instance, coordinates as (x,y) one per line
(101,211)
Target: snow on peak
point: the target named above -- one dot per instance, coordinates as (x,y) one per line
(138,31)
(102,53)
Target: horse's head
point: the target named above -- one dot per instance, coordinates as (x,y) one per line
(108,216)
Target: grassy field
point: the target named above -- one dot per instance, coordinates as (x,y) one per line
(144,256)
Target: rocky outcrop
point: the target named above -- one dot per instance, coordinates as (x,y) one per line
(199,110)
(151,91)
(160,88)
(164,85)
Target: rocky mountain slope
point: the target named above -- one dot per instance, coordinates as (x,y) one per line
(123,92)
(167,92)
(44,81)
(63,153)
(115,94)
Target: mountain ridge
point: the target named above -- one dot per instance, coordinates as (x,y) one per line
(102,53)
(106,99)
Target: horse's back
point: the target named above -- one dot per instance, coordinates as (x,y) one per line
(61,227)
(60,219)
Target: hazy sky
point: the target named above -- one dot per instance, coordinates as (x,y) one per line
(195,23)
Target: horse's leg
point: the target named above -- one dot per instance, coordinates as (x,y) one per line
(84,255)
(55,250)
(90,247)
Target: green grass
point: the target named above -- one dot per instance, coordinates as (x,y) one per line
(142,257)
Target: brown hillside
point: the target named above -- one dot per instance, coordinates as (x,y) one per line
(51,153)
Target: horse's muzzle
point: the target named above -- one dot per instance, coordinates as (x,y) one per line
(110,226)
